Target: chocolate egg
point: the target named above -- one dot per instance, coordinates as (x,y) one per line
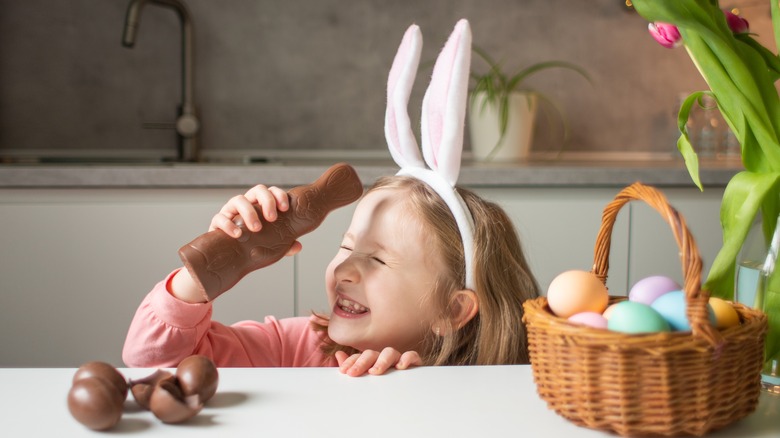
(142,388)
(105,371)
(198,375)
(95,402)
(169,404)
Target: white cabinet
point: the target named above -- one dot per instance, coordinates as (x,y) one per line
(75,264)
(558,229)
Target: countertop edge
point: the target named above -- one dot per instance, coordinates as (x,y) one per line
(533,174)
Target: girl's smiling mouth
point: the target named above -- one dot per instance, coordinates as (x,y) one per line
(349,308)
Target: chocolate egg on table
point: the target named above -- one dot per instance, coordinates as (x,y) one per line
(142,388)
(104,370)
(95,402)
(576,291)
(672,307)
(169,404)
(590,319)
(725,314)
(633,317)
(646,290)
(198,375)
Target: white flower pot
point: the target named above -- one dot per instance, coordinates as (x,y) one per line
(484,127)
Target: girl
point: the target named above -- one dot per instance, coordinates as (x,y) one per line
(427,273)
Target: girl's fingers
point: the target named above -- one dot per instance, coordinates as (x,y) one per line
(294,249)
(268,200)
(386,359)
(359,363)
(347,362)
(271,200)
(408,359)
(341,357)
(376,363)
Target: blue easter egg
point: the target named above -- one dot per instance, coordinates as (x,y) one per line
(672,307)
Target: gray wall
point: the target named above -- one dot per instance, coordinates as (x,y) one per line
(304,74)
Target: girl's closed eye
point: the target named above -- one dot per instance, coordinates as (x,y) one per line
(378,260)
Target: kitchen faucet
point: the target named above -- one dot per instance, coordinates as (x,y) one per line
(187,124)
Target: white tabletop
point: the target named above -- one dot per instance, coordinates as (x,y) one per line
(427,402)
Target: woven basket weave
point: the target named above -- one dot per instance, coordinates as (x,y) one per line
(673,383)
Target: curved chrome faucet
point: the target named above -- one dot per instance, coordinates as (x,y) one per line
(187,124)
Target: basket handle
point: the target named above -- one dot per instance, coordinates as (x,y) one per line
(695,298)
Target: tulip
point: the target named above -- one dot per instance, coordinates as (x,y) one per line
(666,34)
(736,23)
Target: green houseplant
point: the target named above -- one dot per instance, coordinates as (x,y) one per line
(741,75)
(503,97)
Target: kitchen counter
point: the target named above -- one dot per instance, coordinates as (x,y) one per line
(486,401)
(537,172)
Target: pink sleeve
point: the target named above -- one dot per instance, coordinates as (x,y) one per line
(165,330)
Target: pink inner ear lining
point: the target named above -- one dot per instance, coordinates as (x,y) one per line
(446,75)
(400,137)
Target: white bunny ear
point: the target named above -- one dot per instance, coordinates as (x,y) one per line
(444,105)
(398,129)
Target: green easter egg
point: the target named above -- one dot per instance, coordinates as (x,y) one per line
(633,317)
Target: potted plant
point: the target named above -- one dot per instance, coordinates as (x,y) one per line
(741,75)
(502,109)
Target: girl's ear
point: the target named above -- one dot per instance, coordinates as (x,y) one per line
(464,306)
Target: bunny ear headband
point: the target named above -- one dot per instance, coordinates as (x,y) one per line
(443,112)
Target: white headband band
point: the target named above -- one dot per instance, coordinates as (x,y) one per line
(443,114)
(458,208)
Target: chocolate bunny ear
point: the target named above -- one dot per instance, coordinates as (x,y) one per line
(443,113)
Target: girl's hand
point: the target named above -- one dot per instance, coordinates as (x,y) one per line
(268,200)
(374,362)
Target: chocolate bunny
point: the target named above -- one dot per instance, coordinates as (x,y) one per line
(217,261)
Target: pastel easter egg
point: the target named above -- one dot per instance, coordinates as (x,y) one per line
(725,314)
(648,289)
(590,319)
(672,307)
(608,311)
(576,291)
(632,317)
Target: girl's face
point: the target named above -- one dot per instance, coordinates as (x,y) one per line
(380,280)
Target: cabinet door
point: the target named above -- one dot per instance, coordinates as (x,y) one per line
(558,229)
(76,263)
(654,250)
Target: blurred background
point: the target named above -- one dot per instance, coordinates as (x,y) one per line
(311,74)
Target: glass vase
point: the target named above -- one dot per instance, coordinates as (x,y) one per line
(757,285)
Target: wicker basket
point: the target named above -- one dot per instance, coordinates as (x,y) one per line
(673,383)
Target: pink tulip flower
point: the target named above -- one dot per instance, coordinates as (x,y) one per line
(736,23)
(666,34)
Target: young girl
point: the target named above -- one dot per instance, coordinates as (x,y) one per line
(427,273)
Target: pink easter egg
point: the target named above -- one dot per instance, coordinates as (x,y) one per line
(591,319)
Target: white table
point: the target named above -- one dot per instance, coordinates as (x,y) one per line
(426,402)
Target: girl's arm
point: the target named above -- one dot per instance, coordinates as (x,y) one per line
(166,330)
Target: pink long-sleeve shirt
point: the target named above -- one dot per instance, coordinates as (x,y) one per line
(166,330)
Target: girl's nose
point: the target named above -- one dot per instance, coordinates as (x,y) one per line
(347,271)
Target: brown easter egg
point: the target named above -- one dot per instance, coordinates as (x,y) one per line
(95,402)
(169,404)
(142,388)
(198,375)
(105,371)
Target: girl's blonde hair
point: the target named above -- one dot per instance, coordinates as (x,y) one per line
(503,280)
